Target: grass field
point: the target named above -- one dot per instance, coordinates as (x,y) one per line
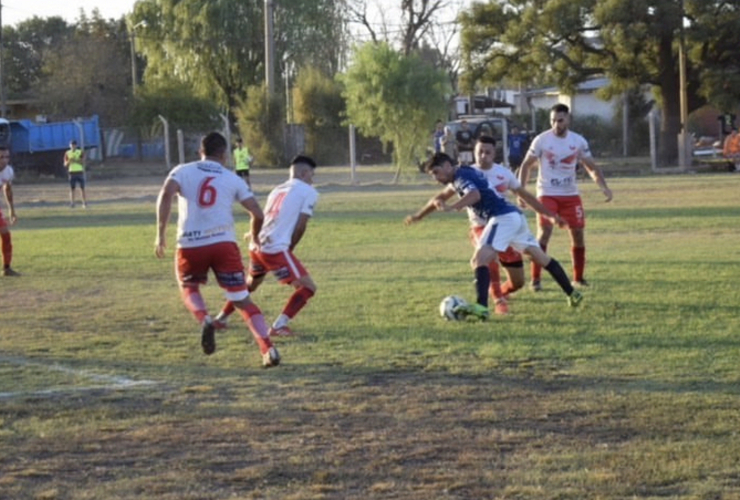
(105,394)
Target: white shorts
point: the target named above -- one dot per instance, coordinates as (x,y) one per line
(507,230)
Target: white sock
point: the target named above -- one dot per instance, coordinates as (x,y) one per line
(281,321)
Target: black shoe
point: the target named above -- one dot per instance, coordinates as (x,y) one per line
(10,272)
(208,337)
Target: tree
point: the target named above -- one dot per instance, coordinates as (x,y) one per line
(78,78)
(633,42)
(217,46)
(260,119)
(319,106)
(394,97)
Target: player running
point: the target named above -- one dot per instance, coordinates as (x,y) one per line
(289,207)
(206,239)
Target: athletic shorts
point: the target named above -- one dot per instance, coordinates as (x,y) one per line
(507,230)
(77,178)
(283,265)
(508,257)
(225,259)
(570,208)
(244,174)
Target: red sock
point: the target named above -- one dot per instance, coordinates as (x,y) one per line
(7,249)
(194,302)
(507,288)
(536,268)
(297,301)
(495,286)
(256,322)
(578,254)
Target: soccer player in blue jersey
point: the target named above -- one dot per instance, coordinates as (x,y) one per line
(505,226)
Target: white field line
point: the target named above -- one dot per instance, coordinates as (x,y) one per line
(104,381)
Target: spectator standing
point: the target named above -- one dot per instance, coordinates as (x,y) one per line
(449,144)
(731,148)
(517,144)
(242,160)
(437,135)
(74,161)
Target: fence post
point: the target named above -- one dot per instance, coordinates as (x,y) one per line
(166,141)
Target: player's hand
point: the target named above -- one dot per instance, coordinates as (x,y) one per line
(607,194)
(13,218)
(559,221)
(159,248)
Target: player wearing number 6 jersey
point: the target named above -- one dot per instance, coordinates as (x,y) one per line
(206,239)
(289,207)
(559,152)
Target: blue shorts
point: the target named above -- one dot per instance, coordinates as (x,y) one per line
(77,178)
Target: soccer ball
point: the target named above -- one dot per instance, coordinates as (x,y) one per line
(449,306)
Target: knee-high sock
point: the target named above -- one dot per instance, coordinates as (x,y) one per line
(7,246)
(256,323)
(495,277)
(578,254)
(482,281)
(297,301)
(536,268)
(193,300)
(227,309)
(558,274)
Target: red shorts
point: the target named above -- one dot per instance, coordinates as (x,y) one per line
(284,265)
(224,258)
(507,257)
(570,208)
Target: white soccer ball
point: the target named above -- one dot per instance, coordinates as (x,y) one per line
(449,306)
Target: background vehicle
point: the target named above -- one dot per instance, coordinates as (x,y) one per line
(495,126)
(39,147)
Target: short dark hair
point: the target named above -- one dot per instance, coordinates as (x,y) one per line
(487,139)
(436,160)
(213,144)
(303,159)
(73,142)
(560,108)
(239,140)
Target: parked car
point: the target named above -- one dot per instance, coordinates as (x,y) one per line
(494,126)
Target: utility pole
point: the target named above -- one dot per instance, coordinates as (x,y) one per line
(269,49)
(684,160)
(3,108)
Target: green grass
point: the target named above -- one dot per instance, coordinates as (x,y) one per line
(635,395)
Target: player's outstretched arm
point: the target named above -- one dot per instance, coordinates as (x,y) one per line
(430,206)
(164,209)
(598,177)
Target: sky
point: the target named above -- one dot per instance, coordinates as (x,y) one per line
(15,11)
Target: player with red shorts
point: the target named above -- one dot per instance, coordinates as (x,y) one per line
(206,240)
(559,151)
(289,207)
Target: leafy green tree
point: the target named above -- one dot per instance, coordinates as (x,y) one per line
(24,49)
(318,105)
(633,42)
(395,97)
(178,105)
(78,78)
(217,46)
(260,120)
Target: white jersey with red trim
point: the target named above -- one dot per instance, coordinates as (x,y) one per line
(6,175)
(501,180)
(284,206)
(559,158)
(205,203)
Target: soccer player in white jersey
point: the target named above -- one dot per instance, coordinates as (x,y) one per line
(206,239)
(6,181)
(559,151)
(289,207)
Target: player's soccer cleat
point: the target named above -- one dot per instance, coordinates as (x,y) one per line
(579,284)
(536,286)
(283,331)
(271,358)
(501,308)
(476,311)
(208,337)
(8,271)
(575,298)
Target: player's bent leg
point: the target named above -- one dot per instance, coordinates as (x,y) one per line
(305,288)
(254,319)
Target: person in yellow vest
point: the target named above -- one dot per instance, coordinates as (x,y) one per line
(242,160)
(74,161)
